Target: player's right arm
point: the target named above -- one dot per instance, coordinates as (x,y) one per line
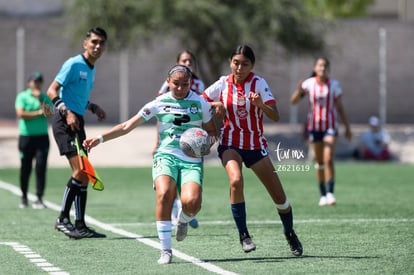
(117,131)
(53,93)
(298,93)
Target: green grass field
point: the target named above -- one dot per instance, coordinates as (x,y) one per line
(369,231)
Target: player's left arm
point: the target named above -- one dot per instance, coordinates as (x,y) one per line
(340,109)
(264,99)
(97,110)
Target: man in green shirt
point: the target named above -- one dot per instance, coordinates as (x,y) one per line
(33,136)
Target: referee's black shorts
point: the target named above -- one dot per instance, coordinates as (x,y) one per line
(65,137)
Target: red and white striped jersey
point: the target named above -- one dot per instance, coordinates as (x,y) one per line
(322,95)
(243,124)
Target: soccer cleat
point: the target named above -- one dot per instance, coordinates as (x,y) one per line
(38,205)
(247,243)
(166,256)
(23,203)
(330,198)
(86,232)
(323,201)
(294,243)
(193,223)
(181,231)
(65,226)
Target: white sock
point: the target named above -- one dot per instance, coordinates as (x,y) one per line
(175,209)
(164,234)
(184,218)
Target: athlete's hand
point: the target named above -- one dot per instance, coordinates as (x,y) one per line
(100,113)
(256,99)
(220,111)
(89,143)
(47,110)
(72,121)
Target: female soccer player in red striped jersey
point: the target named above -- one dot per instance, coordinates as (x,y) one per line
(241,99)
(325,102)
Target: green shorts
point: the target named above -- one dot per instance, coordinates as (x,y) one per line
(181,171)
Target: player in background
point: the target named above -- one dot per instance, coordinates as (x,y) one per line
(176,111)
(187,59)
(70,92)
(31,109)
(242,98)
(325,102)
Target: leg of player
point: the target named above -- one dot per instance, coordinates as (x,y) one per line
(165,187)
(328,158)
(264,170)
(191,204)
(233,164)
(320,171)
(177,205)
(175,209)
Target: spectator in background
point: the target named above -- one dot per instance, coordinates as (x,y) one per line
(374,142)
(33,137)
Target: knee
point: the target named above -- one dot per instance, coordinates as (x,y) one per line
(236,183)
(191,205)
(328,161)
(80,176)
(164,198)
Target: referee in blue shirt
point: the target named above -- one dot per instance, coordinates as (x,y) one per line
(70,93)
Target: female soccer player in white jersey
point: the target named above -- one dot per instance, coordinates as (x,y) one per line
(242,98)
(325,102)
(187,59)
(176,111)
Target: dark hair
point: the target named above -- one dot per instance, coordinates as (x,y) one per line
(328,64)
(98,31)
(245,51)
(192,57)
(180,68)
(188,52)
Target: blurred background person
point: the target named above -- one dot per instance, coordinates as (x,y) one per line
(325,102)
(187,59)
(33,143)
(374,142)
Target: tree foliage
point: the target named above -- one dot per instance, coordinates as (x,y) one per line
(213,28)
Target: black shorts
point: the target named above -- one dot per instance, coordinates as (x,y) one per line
(249,157)
(317,136)
(65,137)
(30,144)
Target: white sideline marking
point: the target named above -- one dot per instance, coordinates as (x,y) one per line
(210,267)
(37,259)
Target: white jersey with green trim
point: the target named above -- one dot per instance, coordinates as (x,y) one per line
(174,117)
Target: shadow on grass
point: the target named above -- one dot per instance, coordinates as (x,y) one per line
(280,259)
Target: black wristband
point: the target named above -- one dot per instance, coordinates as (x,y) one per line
(57,102)
(92,107)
